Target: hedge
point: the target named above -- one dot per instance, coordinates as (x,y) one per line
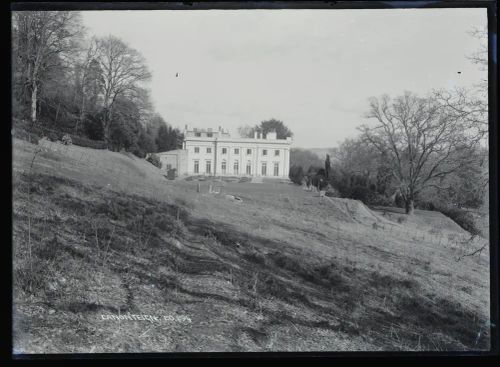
(462,217)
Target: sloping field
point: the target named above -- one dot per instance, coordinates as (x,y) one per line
(96,245)
(435,221)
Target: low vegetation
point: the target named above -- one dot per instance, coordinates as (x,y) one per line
(154,160)
(249,276)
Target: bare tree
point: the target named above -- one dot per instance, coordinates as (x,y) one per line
(123,70)
(354,156)
(470,105)
(422,141)
(42,39)
(480,56)
(466,106)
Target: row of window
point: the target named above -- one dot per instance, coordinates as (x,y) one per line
(237,151)
(209,135)
(236,168)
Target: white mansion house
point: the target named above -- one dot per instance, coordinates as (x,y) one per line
(216,153)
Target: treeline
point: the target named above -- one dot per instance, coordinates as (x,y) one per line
(282,131)
(419,152)
(425,152)
(90,88)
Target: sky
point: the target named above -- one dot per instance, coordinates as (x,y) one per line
(312,69)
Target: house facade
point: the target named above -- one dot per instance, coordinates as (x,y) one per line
(215,153)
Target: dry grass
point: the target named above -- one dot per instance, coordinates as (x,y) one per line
(282,271)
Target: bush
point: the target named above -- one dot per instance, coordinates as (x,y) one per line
(354,187)
(463,218)
(426,205)
(296,174)
(331,191)
(154,160)
(52,136)
(363,194)
(381,200)
(66,140)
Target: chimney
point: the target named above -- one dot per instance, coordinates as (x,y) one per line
(255,134)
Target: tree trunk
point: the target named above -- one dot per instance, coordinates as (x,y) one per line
(105,127)
(409,207)
(82,112)
(57,111)
(34,96)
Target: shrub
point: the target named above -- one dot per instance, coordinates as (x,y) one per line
(154,160)
(52,136)
(426,205)
(462,217)
(66,140)
(363,194)
(296,174)
(381,200)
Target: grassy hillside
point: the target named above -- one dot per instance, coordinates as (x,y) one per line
(283,270)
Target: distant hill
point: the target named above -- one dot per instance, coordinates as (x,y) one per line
(321,152)
(304,158)
(307,157)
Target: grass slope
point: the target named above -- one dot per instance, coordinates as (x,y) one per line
(282,271)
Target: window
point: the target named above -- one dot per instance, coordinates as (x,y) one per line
(196,166)
(196,149)
(249,151)
(276,153)
(236,167)
(209,150)
(208,168)
(223,167)
(236,151)
(264,151)
(210,135)
(276,169)
(264,168)
(169,167)
(197,134)
(224,150)
(249,168)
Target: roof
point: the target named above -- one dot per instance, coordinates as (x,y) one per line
(240,140)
